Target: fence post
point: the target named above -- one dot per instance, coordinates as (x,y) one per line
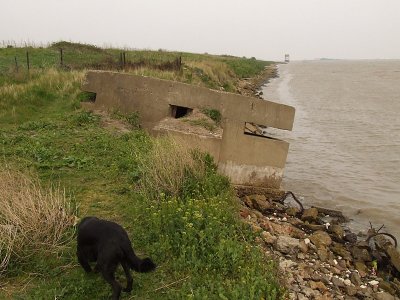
(61,58)
(120,60)
(16,63)
(27,60)
(124,59)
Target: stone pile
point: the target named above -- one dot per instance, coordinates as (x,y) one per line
(319,257)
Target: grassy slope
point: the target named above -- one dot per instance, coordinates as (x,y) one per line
(196,239)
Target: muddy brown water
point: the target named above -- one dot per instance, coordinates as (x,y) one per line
(345,146)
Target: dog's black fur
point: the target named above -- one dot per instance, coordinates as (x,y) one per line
(108,244)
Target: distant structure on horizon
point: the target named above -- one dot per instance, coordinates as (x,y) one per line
(287,58)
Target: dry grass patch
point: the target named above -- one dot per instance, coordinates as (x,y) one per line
(32,219)
(166,167)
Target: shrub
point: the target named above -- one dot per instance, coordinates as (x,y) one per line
(32,219)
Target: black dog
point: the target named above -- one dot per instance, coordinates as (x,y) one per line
(108,243)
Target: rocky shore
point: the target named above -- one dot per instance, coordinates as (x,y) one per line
(251,86)
(318,256)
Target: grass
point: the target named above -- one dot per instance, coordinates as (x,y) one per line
(212,71)
(192,231)
(33,220)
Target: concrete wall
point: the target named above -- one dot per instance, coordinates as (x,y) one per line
(246,159)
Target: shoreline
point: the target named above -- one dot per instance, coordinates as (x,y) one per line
(251,87)
(320,257)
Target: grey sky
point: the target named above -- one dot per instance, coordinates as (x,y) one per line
(305,29)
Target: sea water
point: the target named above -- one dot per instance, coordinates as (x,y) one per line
(345,145)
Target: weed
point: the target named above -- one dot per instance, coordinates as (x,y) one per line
(213,114)
(203,122)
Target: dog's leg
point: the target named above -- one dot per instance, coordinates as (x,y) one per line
(83,260)
(108,274)
(129,279)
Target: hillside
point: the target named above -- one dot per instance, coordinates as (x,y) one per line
(174,205)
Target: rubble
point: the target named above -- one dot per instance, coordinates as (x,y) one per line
(318,256)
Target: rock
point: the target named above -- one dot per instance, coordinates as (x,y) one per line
(347,282)
(247,201)
(308,292)
(256,228)
(338,282)
(394,256)
(287,264)
(244,212)
(317,286)
(310,215)
(373,282)
(355,278)
(360,254)
(295,222)
(335,271)
(287,245)
(292,211)
(361,268)
(301,296)
(258,202)
(342,264)
(340,250)
(268,238)
(384,296)
(350,237)
(337,231)
(322,254)
(387,287)
(281,229)
(350,290)
(303,246)
(301,256)
(321,239)
(312,227)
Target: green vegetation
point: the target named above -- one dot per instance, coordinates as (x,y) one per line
(203,122)
(214,114)
(171,200)
(212,71)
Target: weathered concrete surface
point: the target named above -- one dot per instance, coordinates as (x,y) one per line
(246,159)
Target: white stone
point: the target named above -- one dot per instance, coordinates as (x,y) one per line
(374,282)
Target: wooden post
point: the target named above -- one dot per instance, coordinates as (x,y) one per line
(27,60)
(16,63)
(124,59)
(61,58)
(120,60)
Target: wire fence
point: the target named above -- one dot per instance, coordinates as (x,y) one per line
(14,58)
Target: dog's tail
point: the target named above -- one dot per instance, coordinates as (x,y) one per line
(137,264)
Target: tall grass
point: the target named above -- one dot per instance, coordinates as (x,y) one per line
(163,173)
(32,219)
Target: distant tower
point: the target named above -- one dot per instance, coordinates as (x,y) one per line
(287,58)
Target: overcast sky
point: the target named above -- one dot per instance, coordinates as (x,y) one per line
(266,29)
